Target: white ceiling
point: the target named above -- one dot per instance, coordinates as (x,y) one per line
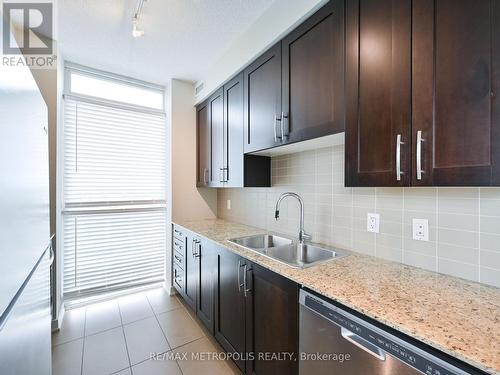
(183,37)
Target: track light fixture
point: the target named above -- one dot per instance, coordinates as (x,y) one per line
(136,32)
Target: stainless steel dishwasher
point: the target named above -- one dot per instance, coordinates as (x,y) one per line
(335,342)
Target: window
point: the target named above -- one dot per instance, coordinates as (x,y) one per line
(114,183)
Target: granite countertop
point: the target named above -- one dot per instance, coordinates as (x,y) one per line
(458,317)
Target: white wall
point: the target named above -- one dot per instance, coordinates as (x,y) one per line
(49,82)
(280,18)
(184,200)
(188,201)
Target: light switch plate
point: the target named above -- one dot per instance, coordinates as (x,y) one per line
(421,229)
(373,222)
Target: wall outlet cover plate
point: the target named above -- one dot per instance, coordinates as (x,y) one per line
(373,222)
(420,229)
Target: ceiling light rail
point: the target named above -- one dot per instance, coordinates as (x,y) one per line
(136,32)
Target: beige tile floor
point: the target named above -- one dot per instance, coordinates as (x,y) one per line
(119,336)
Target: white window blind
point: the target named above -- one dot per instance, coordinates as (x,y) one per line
(114,195)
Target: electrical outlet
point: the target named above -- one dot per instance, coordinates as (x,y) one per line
(373,222)
(228,204)
(421,229)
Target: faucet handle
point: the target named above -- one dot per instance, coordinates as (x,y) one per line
(305,237)
(277,214)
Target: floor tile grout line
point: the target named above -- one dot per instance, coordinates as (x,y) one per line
(164,335)
(157,321)
(104,330)
(84,339)
(123,333)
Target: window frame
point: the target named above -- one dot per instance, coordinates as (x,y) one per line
(103,207)
(70,67)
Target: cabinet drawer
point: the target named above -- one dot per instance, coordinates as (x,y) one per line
(178,234)
(178,278)
(178,245)
(178,259)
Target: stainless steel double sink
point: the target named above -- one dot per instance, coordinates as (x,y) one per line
(285,250)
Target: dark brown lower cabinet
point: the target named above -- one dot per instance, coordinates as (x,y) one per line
(194,263)
(271,322)
(206,253)
(190,271)
(251,311)
(256,316)
(230,305)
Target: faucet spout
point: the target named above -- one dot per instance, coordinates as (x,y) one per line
(302,234)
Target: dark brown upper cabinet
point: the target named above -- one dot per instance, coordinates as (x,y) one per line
(295,90)
(217,138)
(421,83)
(203,144)
(221,162)
(232,174)
(313,76)
(262,82)
(456,74)
(378,92)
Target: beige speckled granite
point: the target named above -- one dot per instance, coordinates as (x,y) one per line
(458,317)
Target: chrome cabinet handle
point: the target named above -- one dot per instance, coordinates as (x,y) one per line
(221,175)
(225,173)
(205,178)
(192,248)
(283,117)
(363,344)
(276,119)
(398,157)
(245,289)
(198,253)
(240,285)
(419,155)
(51,247)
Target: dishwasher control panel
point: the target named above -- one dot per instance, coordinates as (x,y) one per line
(404,351)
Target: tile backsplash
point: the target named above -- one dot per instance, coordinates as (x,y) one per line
(464,223)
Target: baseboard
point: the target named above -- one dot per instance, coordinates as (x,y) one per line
(169,289)
(57,323)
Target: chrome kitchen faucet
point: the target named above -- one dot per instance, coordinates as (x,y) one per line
(303,236)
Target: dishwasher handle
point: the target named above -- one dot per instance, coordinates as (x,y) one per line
(363,344)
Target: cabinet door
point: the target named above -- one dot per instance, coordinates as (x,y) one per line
(230,305)
(272,321)
(263,101)
(191,271)
(203,144)
(313,76)
(233,132)
(207,255)
(216,120)
(456,74)
(378,92)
